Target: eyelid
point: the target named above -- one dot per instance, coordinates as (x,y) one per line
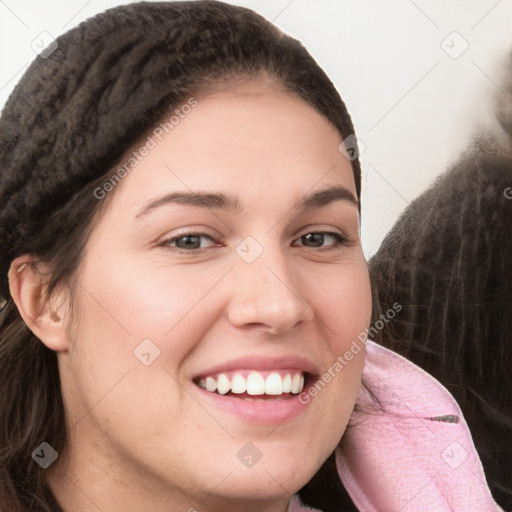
(316,228)
(340,240)
(202,232)
(189,233)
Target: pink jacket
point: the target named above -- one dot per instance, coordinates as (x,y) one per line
(418,455)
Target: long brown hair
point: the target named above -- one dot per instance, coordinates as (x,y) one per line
(72,116)
(448,263)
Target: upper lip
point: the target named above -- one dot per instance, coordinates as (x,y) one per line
(259,363)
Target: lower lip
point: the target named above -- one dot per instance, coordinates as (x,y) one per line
(268,412)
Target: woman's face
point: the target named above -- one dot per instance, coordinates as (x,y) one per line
(231,248)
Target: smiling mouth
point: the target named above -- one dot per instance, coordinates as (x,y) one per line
(254,385)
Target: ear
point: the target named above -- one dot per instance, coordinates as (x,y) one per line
(45,317)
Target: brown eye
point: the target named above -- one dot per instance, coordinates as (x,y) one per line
(319,239)
(189,242)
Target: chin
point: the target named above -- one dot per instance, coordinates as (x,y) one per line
(273,478)
(263,484)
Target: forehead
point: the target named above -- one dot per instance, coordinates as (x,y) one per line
(255,120)
(256,139)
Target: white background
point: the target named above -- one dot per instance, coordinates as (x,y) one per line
(414,104)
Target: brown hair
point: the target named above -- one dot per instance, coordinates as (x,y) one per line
(69,120)
(447,262)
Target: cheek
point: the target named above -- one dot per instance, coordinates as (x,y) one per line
(119,310)
(106,379)
(133,300)
(341,297)
(156,315)
(347,312)
(343,304)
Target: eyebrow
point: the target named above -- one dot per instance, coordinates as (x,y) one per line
(324,197)
(222,201)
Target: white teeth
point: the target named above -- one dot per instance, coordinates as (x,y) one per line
(223,384)
(238,384)
(255,383)
(287,383)
(211,384)
(296,387)
(274,384)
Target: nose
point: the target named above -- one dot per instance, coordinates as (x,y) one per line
(267,296)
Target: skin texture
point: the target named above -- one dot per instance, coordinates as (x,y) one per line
(142,437)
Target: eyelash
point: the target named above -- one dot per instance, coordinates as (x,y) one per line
(340,240)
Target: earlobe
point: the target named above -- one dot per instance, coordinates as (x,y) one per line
(28,287)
